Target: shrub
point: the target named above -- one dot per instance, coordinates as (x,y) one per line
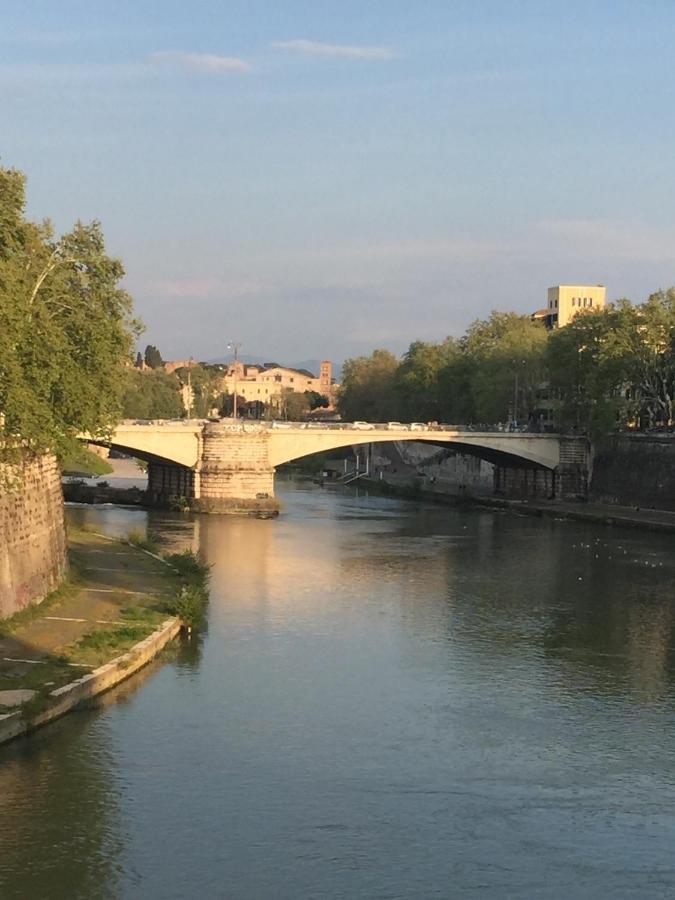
(143,542)
(189,604)
(189,567)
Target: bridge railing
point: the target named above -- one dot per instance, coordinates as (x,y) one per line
(257,426)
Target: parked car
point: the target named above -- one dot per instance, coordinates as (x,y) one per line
(363,426)
(419,426)
(397,426)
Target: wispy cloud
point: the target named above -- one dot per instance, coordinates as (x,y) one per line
(341,51)
(200,62)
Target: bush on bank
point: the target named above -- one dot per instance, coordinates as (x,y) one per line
(190,598)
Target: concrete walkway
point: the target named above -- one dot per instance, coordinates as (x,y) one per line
(111,578)
(603,513)
(401,475)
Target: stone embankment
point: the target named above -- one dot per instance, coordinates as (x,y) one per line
(32,532)
(633,482)
(99,628)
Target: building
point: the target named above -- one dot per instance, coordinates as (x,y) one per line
(566,300)
(266,383)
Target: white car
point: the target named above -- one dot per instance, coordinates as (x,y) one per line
(363,426)
(418,426)
(397,426)
(276,424)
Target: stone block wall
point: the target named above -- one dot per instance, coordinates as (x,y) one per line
(635,470)
(444,470)
(169,482)
(32,533)
(522,483)
(235,474)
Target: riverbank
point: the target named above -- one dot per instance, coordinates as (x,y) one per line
(598,513)
(105,623)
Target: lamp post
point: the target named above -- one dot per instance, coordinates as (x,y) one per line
(523,362)
(189,395)
(235,347)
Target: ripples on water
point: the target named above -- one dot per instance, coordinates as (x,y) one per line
(392,700)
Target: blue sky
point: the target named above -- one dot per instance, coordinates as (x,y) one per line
(316,179)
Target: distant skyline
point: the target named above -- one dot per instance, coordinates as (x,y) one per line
(317,179)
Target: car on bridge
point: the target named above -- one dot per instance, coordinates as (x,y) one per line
(396,426)
(419,426)
(362,426)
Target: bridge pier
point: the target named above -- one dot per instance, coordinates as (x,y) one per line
(170,485)
(567,481)
(234,474)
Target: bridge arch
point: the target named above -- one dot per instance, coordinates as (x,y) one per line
(505,449)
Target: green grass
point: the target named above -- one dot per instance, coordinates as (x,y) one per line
(103,644)
(34,678)
(83,462)
(142,541)
(189,567)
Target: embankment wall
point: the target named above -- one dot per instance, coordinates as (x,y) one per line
(442,470)
(635,470)
(32,533)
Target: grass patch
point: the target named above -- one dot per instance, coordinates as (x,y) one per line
(142,541)
(147,615)
(80,461)
(189,567)
(35,678)
(103,644)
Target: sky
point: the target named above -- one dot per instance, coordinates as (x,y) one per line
(317,179)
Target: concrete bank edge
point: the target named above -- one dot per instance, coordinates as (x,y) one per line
(522,507)
(105,677)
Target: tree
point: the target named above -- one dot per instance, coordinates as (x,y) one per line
(151,395)
(153,358)
(291,405)
(317,400)
(617,365)
(367,390)
(206,382)
(418,384)
(504,360)
(66,330)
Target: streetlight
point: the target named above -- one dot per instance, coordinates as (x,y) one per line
(189,395)
(235,347)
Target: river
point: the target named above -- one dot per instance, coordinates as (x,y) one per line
(393,700)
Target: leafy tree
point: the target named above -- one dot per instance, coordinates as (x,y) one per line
(317,400)
(151,395)
(367,390)
(66,330)
(206,382)
(421,391)
(153,358)
(504,360)
(616,365)
(291,405)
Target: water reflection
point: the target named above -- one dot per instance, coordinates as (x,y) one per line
(392,700)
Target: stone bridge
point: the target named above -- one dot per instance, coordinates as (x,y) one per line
(229,466)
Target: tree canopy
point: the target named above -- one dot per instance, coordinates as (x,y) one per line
(608,368)
(66,329)
(151,395)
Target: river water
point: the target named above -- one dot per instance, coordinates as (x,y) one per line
(393,700)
